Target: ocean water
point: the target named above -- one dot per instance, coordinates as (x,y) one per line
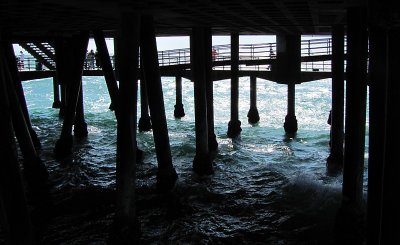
(266,189)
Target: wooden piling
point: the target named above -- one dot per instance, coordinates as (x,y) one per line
(390,202)
(56,94)
(13,69)
(377,106)
(212,138)
(351,215)
(126,228)
(106,66)
(144,121)
(73,65)
(356,98)
(202,163)
(166,175)
(335,159)
(15,219)
(80,125)
(34,170)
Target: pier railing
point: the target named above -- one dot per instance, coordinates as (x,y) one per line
(318,52)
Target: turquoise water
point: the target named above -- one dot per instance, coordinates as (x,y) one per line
(267,189)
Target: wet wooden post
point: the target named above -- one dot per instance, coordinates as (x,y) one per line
(356,97)
(35,171)
(351,213)
(390,202)
(212,138)
(166,175)
(144,121)
(202,163)
(80,125)
(252,115)
(60,55)
(56,93)
(179,111)
(14,216)
(13,68)
(377,107)
(63,95)
(335,159)
(72,70)
(234,128)
(106,66)
(126,227)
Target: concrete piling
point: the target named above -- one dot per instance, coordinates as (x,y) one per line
(252,115)
(234,128)
(179,111)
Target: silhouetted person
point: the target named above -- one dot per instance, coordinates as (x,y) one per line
(97,59)
(39,66)
(330,123)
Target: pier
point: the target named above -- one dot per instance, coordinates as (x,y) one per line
(363,51)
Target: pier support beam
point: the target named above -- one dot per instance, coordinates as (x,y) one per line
(126,227)
(288,63)
(390,203)
(166,175)
(72,66)
(107,68)
(202,163)
(335,159)
(351,214)
(80,126)
(56,94)
(14,216)
(290,124)
(145,120)
(252,115)
(179,111)
(378,86)
(212,138)
(234,128)
(63,94)
(13,68)
(356,97)
(34,170)
(377,107)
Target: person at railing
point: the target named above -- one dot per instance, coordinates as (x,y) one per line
(271,53)
(97,59)
(90,58)
(214,54)
(329,121)
(39,66)
(20,60)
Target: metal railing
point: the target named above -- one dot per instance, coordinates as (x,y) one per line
(263,51)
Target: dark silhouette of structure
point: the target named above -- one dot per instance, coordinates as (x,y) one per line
(67,25)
